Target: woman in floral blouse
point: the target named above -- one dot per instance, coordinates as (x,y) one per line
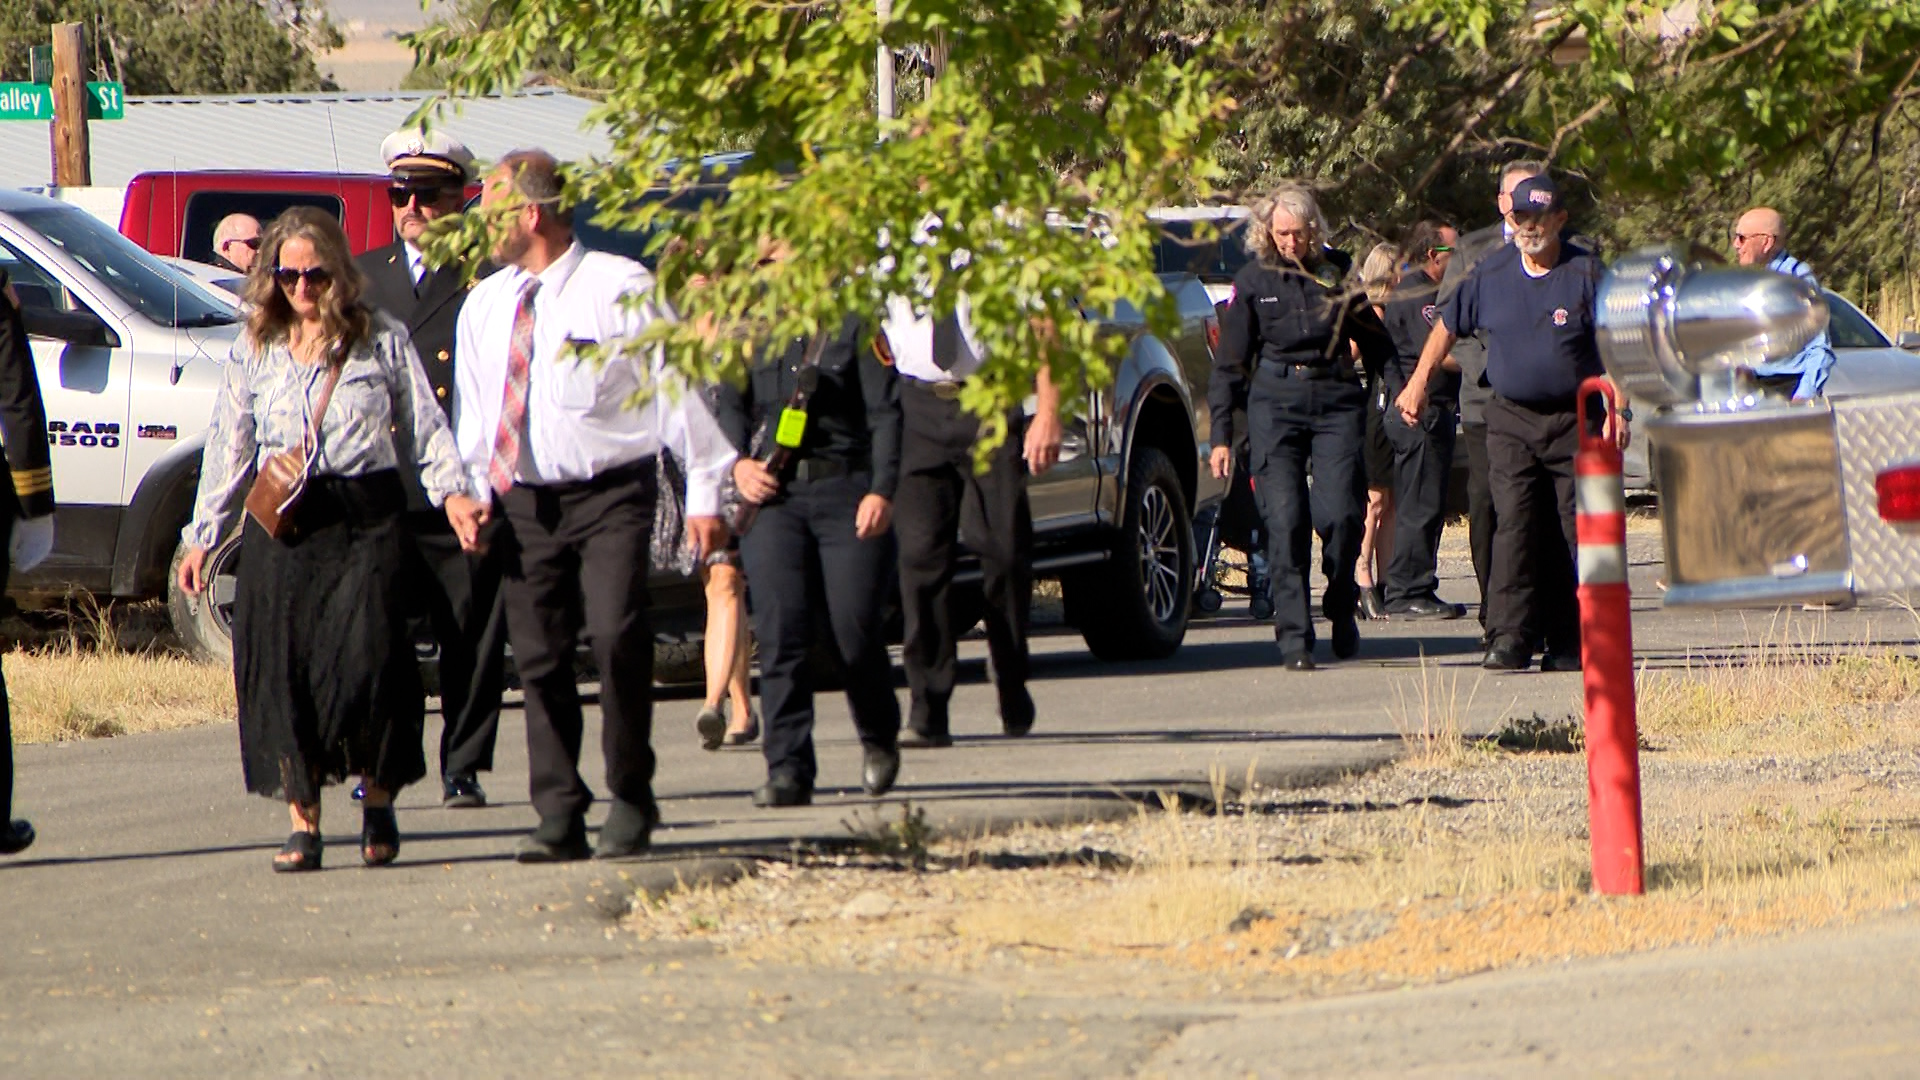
(324,671)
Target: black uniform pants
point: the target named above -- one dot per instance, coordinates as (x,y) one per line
(802,558)
(1422,464)
(464,610)
(940,500)
(1291,423)
(1532,591)
(1480,515)
(579,556)
(7,522)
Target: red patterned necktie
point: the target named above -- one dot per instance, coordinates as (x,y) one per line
(513,401)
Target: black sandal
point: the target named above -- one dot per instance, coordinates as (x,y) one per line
(379,835)
(301,853)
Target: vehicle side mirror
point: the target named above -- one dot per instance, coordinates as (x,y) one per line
(77,327)
(1909,340)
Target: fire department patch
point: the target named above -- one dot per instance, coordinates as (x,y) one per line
(1427,313)
(1559,316)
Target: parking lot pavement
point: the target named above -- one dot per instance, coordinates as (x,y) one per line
(146,928)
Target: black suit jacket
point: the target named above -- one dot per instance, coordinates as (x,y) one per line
(23,421)
(430,318)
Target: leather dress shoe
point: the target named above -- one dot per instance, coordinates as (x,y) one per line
(627,832)
(879,768)
(1507,654)
(556,840)
(1297,661)
(1427,607)
(1016,711)
(462,791)
(926,726)
(782,790)
(1346,637)
(1560,661)
(16,837)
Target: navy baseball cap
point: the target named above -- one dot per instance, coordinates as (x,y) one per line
(1536,195)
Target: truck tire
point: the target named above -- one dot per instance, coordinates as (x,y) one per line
(679,662)
(1135,605)
(204,623)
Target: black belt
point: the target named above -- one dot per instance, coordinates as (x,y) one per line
(817,468)
(945,391)
(1282,370)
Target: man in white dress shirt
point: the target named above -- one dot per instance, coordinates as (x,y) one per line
(940,497)
(568,458)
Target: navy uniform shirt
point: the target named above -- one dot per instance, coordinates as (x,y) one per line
(1539,331)
(1409,315)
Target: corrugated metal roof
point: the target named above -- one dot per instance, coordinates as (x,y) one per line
(297,132)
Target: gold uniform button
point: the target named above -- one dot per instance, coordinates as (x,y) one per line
(440,391)
(443,357)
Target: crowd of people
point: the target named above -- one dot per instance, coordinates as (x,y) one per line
(411,454)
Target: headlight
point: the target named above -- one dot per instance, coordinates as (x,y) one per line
(1665,321)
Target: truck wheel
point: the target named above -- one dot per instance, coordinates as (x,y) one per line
(1135,605)
(204,623)
(679,662)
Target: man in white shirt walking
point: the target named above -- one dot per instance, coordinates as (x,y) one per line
(569,463)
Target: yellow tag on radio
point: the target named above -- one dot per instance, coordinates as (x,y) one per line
(793,427)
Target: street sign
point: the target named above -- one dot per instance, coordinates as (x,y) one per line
(106,101)
(40,64)
(26,101)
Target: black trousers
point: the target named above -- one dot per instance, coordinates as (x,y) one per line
(578,556)
(462,606)
(802,560)
(941,500)
(1293,423)
(8,518)
(1480,516)
(1532,591)
(1422,464)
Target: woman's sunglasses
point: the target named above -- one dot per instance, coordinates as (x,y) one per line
(318,277)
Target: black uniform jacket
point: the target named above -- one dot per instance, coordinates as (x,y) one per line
(1282,316)
(853,417)
(1410,314)
(23,418)
(430,317)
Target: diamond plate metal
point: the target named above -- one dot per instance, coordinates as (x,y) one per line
(1873,433)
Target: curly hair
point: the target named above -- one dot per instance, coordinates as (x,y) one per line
(1294,199)
(345,321)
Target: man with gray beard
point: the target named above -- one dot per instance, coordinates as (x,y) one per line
(1534,299)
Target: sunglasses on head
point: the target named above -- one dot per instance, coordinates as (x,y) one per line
(402,194)
(318,277)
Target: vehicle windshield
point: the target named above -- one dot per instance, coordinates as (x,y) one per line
(154,289)
(1216,258)
(633,243)
(1848,329)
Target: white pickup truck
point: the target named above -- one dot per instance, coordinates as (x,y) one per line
(127,350)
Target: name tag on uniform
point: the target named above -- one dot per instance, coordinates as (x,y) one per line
(792,428)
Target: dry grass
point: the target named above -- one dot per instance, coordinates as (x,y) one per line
(1779,699)
(1429,717)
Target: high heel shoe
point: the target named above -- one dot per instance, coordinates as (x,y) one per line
(1373,602)
(712,728)
(301,853)
(379,835)
(752,732)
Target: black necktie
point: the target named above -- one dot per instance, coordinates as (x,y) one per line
(946,341)
(420,281)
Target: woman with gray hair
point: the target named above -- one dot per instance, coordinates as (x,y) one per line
(1285,356)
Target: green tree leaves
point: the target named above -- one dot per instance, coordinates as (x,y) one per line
(180,46)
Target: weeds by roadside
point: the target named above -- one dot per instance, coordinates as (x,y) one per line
(96,670)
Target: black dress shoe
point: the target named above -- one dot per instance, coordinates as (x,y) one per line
(879,768)
(926,726)
(556,840)
(1508,655)
(1560,661)
(1346,637)
(462,791)
(1297,661)
(1373,602)
(782,790)
(1427,607)
(16,837)
(915,739)
(627,833)
(1016,711)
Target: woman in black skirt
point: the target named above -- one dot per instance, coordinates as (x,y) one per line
(325,674)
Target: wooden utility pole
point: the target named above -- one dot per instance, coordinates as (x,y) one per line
(884,69)
(72,149)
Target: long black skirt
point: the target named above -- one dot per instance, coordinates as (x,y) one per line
(324,671)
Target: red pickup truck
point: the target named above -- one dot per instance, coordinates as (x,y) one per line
(174,213)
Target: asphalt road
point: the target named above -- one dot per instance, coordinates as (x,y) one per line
(145,934)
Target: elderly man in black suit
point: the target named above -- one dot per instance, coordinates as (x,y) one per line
(461,592)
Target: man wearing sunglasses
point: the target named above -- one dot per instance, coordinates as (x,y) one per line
(461,592)
(1759,240)
(236,242)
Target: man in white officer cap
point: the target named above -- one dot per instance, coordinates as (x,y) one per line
(461,592)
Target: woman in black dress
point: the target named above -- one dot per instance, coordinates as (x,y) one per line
(325,674)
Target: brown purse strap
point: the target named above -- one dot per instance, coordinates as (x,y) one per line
(326,398)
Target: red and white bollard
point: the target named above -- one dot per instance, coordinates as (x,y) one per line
(1606,652)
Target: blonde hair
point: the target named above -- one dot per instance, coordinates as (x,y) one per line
(1295,200)
(344,321)
(1380,272)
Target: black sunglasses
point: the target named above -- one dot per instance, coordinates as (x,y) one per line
(425,194)
(317,276)
(251,241)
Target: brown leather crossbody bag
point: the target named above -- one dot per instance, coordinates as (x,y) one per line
(283,477)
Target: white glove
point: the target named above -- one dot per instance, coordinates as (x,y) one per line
(32,542)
